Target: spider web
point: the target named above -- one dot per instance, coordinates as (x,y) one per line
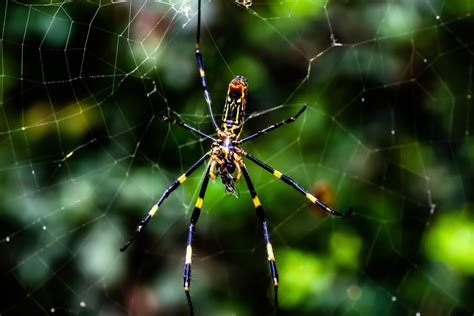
(387,131)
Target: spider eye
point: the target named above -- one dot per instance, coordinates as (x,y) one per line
(239,100)
(229,99)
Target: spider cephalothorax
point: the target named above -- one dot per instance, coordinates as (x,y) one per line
(226,159)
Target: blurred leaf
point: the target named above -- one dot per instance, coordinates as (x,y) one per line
(450,240)
(303,275)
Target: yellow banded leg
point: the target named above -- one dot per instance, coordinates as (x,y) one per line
(187,262)
(297,187)
(270,256)
(163,197)
(266,236)
(189,249)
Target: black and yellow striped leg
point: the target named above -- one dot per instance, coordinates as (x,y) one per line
(298,188)
(189,250)
(200,65)
(263,219)
(163,197)
(274,126)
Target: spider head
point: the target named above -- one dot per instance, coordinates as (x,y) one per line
(234,108)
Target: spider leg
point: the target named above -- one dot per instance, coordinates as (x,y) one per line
(186,126)
(273,126)
(263,220)
(200,65)
(297,187)
(189,251)
(163,196)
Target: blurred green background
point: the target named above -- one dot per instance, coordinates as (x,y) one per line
(84,155)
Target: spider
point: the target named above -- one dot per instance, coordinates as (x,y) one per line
(227,162)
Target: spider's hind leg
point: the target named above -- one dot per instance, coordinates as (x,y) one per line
(189,251)
(266,236)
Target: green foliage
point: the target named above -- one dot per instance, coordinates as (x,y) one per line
(304,276)
(450,240)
